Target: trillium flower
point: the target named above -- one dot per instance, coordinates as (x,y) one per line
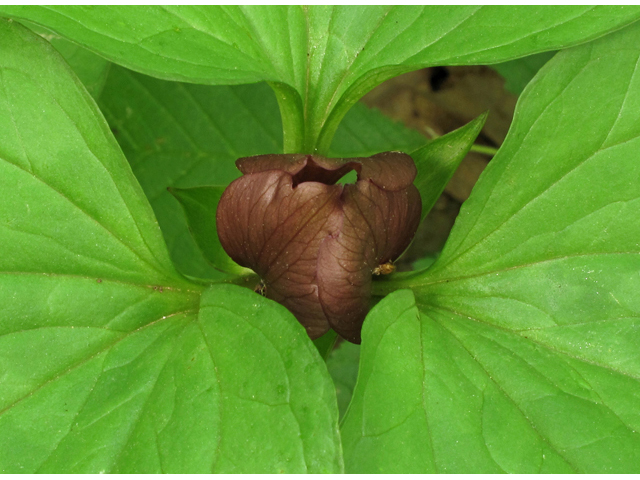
(316,244)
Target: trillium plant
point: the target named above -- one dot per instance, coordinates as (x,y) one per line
(164,311)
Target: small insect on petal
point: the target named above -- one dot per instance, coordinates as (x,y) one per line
(261,288)
(384,269)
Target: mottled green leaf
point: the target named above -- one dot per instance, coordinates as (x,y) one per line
(519,352)
(281,413)
(319,59)
(83,259)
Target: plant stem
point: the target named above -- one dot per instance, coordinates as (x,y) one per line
(484,149)
(292,114)
(387,284)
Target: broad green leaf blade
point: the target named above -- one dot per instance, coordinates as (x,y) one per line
(237,387)
(282,413)
(61,173)
(83,261)
(520,350)
(109,360)
(565,181)
(438,392)
(395,40)
(387,429)
(320,59)
(182,135)
(90,68)
(518,73)
(200,205)
(439,159)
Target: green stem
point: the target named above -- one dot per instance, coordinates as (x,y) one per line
(292,114)
(384,285)
(484,149)
(248,279)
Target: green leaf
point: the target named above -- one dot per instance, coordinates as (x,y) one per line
(439,159)
(364,132)
(343,368)
(386,429)
(109,360)
(83,258)
(518,73)
(200,205)
(182,135)
(519,352)
(50,127)
(320,59)
(325,343)
(439,393)
(208,392)
(282,414)
(90,68)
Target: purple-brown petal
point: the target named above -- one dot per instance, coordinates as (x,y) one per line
(377,227)
(315,244)
(266,224)
(303,168)
(292,163)
(388,170)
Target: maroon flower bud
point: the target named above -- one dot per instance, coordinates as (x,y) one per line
(316,244)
